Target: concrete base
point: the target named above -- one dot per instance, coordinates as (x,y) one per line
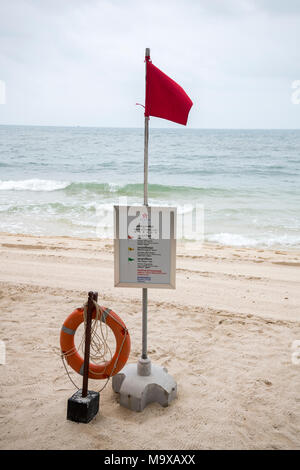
(143,383)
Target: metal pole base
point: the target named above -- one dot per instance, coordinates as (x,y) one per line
(144,367)
(136,390)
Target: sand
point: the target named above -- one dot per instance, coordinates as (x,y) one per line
(225,334)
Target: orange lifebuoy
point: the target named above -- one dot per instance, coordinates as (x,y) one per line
(107,369)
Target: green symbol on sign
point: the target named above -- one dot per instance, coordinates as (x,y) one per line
(130,259)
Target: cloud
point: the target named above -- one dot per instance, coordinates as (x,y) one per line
(81,62)
(277,7)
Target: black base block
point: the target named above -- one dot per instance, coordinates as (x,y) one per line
(83,410)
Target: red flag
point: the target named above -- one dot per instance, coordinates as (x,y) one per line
(164,97)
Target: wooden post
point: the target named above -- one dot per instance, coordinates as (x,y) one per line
(92,296)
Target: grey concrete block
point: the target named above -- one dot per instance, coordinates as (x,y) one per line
(136,391)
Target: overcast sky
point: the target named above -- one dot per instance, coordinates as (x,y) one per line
(81,62)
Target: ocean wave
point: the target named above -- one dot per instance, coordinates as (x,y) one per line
(136,189)
(235,239)
(53,208)
(131,189)
(32,185)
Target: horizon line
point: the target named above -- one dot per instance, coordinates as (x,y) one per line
(159,128)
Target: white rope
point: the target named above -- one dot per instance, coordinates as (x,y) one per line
(99,347)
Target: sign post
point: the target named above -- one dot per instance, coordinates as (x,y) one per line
(145,247)
(143,383)
(145,290)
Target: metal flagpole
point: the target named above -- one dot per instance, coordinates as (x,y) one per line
(146,141)
(132,383)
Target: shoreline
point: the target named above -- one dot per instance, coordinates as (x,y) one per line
(198,245)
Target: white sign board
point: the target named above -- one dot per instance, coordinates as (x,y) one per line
(145,246)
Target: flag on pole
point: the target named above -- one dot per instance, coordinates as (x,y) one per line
(164,97)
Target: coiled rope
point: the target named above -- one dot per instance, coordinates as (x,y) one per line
(99,347)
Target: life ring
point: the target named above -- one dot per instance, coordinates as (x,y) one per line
(73,358)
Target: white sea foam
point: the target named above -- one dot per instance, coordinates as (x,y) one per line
(113,187)
(32,185)
(235,239)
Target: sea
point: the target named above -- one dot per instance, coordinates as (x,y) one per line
(66,180)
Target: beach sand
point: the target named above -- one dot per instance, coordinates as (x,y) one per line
(225,334)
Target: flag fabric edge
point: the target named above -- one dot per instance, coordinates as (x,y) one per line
(165,99)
